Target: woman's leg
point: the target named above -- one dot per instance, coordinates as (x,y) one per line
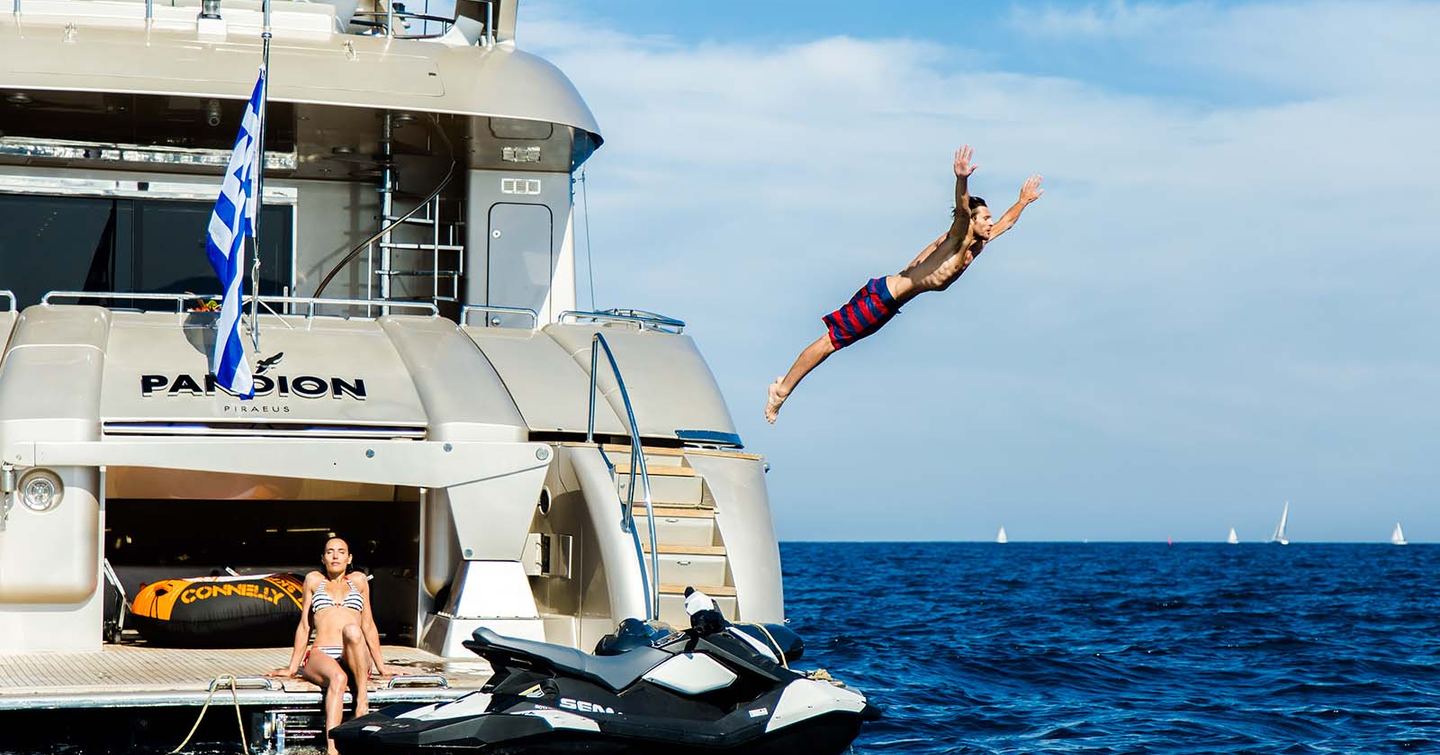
(809,359)
(357,660)
(325,672)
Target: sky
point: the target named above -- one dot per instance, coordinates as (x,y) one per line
(1224,300)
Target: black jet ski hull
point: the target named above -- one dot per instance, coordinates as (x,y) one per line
(682,692)
(822,735)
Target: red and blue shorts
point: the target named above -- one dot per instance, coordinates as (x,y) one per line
(869,309)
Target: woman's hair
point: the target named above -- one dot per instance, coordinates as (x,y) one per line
(350,567)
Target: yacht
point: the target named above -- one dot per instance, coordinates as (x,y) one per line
(1397,537)
(426,384)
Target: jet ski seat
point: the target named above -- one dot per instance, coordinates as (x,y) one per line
(615,672)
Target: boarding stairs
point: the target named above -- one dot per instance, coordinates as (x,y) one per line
(690,547)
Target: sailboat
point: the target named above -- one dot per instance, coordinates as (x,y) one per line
(1233,539)
(1001,537)
(1280,536)
(1398,536)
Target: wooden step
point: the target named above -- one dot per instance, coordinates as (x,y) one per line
(688,550)
(654,470)
(615,448)
(714,591)
(687,529)
(655,451)
(664,489)
(676,513)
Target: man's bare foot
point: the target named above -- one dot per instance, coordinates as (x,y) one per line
(775,401)
(362,708)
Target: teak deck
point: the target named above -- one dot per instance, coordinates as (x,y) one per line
(140,676)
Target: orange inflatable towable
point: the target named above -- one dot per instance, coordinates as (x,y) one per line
(260,610)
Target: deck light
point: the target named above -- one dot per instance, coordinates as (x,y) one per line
(41,490)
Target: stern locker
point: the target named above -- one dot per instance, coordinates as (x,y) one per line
(692,552)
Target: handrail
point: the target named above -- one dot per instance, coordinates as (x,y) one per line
(9,296)
(375,21)
(650,585)
(637,317)
(386,20)
(246,682)
(468,308)
(181,299)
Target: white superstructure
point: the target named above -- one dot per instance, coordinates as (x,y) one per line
(434,404)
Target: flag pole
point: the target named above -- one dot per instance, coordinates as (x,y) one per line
(260,176)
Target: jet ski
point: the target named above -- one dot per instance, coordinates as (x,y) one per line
(713,688)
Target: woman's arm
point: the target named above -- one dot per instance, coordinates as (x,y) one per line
(302,631)
(367,624)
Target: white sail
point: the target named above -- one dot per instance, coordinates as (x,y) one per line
(1233,539)
(1001,537)
(1398,536)
(1280,536)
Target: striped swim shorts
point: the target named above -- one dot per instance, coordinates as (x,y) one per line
(869,309)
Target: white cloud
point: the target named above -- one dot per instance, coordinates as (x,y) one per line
(1212,296)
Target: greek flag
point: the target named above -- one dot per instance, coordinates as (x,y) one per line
(232,221)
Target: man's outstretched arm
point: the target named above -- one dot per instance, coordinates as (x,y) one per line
(960,223)
(1029,192)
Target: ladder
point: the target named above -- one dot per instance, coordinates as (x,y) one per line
(422,257)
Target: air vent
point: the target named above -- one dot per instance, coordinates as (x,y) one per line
(526,186)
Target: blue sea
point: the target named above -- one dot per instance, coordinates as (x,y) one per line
(1127,647)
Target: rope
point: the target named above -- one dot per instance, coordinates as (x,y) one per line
(770,638)
(234,696)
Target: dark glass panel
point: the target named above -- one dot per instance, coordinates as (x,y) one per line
(55,243)
(170,248)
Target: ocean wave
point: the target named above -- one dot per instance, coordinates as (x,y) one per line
(1126,647)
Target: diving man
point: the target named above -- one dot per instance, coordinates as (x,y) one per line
(934,269)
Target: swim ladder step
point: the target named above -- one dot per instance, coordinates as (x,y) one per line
(714,591)
(664,512)
(680,527)
(658,470)
(688,550)
(671,490)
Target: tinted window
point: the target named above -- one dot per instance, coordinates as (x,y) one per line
(152,246)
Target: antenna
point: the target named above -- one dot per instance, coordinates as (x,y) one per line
(265,35)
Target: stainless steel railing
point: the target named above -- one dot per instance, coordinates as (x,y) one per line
(180,300)
(651,582)
(396,24)
(393,23)
(466,311)
(637,317)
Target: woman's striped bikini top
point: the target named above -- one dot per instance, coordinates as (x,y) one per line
(321,599)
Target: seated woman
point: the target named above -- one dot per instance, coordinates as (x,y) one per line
(347,647)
